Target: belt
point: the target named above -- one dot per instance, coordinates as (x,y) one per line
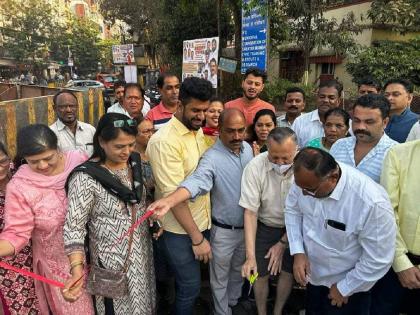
(415,259)
(226,226)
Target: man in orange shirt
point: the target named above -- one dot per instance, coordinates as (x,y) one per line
(250,103)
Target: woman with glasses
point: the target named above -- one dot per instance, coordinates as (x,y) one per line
(18,297)
(35,209)
(145,131)
(164,280)
(336,126)
(106,196)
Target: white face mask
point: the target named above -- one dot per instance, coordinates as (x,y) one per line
(281,168)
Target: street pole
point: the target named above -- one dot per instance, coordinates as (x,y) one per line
(68,61)
(219,32)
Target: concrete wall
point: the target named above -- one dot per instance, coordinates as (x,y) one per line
(19,113)
(18,91)
(8,92)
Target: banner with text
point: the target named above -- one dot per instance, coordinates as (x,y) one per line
(200,59)
(254,37)
(123,54)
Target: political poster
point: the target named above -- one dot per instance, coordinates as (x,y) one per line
(200,59)
(123,54)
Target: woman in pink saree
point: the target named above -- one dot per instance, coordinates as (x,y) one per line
(35,208)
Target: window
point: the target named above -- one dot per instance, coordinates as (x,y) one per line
(327,68)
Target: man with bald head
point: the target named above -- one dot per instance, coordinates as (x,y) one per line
(219,172)
(72,134)
(265,184)
(341,231)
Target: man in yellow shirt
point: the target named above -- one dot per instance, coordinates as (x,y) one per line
(400,173)
(174,152)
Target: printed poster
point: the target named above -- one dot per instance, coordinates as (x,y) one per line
(200,59)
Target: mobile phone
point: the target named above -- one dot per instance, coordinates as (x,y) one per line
(336,225)
(155,228)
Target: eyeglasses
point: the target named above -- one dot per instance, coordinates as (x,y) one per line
(148,131)
(5,162)
(121,123)
(313,192)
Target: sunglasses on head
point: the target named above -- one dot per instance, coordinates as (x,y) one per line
(124,122)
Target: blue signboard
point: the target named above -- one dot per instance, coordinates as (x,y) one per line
(254,39)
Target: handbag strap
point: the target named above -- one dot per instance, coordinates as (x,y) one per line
(130,239)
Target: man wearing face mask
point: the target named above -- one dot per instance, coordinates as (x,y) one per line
(341,230)
(265,184)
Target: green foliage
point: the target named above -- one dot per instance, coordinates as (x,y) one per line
(275,92)
(302,22)
(386,60)
(34,34)
(164,24)
(81,37)
(402,15)
(27,28)
(105,51)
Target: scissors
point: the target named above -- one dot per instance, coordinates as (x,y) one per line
(252,279)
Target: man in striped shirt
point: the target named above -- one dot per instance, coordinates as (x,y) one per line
(168,85)
(366,150)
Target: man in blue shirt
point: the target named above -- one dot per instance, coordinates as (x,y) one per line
(399,92)
(219,172)
(366,150)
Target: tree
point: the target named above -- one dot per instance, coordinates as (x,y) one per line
(302,22)
(164,24)
(386,59)
(400,15)
(79,37)
(142,16)
(28,29)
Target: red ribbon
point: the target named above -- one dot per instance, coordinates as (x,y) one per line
(31,274)
(59,284)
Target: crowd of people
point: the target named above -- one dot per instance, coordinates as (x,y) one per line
(325,200)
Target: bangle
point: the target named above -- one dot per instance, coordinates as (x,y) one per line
(199,243)
(75,264)
(283,242)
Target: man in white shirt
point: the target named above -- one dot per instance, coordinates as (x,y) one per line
(294,104)
(341,230)
(309,126)
(118,107)
(130,99)
(71,133)
(213,73)
(265,184)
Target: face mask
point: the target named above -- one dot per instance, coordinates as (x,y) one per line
(281,168)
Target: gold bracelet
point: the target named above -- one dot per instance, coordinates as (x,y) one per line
(75,264)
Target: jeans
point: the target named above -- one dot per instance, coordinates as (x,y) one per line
(178,250)
(318,303)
